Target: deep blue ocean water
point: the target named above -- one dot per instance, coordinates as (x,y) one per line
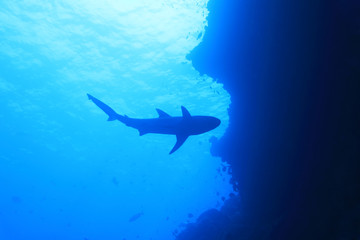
(67,173)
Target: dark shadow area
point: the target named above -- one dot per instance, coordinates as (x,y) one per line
(293,71)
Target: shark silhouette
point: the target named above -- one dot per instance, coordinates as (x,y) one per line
(181,127)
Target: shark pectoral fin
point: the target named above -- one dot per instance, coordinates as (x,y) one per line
(180,139)
(162,114)
(185,112)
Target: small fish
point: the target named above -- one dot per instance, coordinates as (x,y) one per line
(115,181)
(16,199)
(136,216)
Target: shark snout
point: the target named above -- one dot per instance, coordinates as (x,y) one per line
(217,122)
(214,122)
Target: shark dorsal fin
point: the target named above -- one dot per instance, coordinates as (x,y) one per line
(162,114)
(185,112)
(180,139)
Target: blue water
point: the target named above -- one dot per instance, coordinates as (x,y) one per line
(67,173)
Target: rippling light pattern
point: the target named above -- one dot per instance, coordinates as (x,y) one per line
(67,173)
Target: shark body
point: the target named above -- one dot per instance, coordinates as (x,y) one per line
(182,127)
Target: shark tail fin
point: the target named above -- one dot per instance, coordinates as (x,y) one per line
(108,110)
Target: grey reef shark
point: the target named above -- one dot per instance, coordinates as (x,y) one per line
(181,127)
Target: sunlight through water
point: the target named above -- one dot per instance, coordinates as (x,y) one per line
(67,173)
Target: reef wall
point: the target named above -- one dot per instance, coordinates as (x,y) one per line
(292,69)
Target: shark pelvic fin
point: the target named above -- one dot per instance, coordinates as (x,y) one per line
(141,132)
(112,118)
(162,114)
(185,112)
(180,139)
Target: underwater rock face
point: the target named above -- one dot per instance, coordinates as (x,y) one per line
(293,140)
(216,224)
